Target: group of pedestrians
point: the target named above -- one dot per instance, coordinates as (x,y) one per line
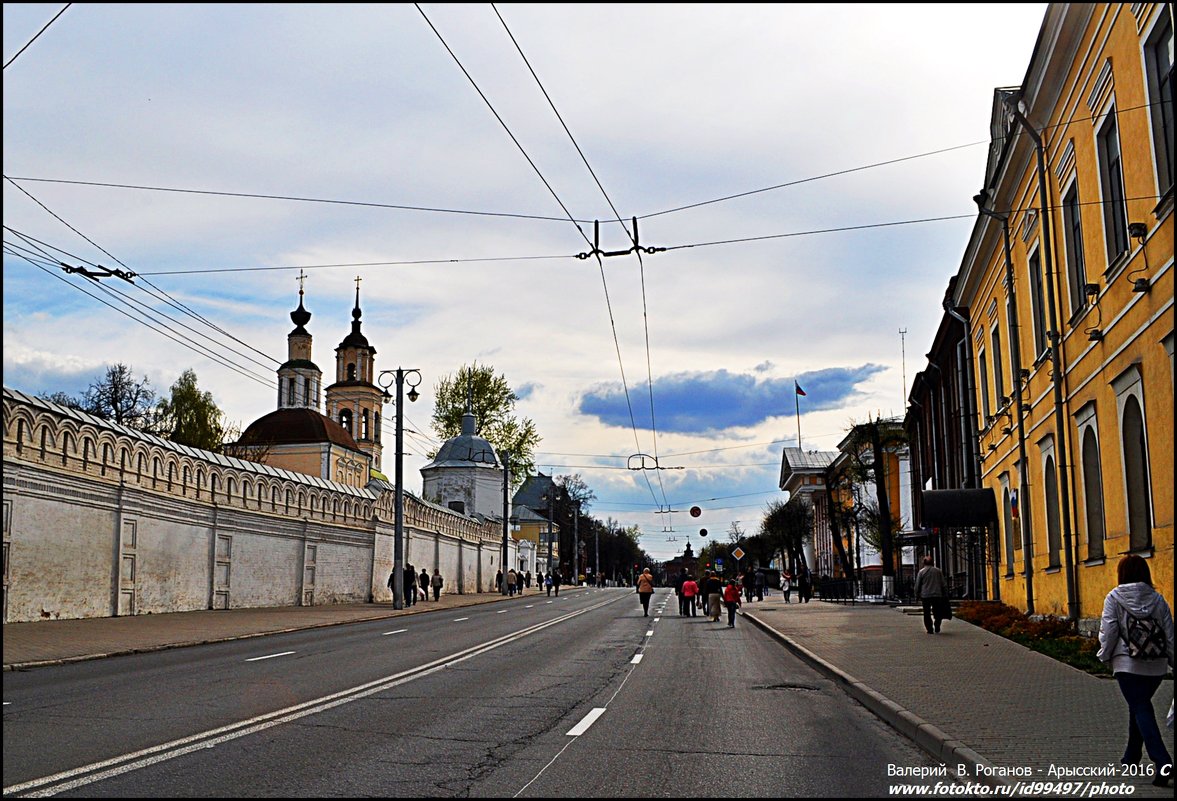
(710,594)
(517,581)
(803,582)
(416,587)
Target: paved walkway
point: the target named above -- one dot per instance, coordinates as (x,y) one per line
(966,696)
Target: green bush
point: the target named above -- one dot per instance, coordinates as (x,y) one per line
(1053,636)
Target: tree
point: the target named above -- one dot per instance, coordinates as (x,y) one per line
(191,417)
(493,403)
(120,397)
(63,399)
(788,526)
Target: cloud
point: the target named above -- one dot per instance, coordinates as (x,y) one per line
(703,402)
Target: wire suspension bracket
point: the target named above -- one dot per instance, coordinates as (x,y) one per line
(636,248)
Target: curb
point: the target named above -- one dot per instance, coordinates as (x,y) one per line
(927,736)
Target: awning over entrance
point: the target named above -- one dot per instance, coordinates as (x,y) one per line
(959,507)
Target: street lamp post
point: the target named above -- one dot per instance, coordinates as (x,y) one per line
(387,377)
(506,517)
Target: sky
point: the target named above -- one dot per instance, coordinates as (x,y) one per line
(801,175)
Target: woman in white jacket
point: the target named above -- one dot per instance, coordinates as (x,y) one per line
(1139,676)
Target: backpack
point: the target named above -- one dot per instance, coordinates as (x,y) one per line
(1143,637)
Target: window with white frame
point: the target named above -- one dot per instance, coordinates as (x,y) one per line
(998,372)
(1007,520)
(1111,181)
(1158,63)
(983,390)
(1054,538)
(1037,304)
(1073,234)
(1093,517)
(1129,390)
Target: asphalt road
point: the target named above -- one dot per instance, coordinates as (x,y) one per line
(576,696)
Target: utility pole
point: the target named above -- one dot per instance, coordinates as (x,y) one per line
(506,519)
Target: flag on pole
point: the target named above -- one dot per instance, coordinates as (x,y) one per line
(798,388)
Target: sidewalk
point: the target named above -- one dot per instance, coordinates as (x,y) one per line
(966,696)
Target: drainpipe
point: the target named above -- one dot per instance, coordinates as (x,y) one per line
(1060,421)
(1016,363)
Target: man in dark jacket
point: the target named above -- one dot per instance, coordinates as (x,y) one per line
(932,591)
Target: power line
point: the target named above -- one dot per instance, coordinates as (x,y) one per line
(358,264)
(43,29)
(298,199)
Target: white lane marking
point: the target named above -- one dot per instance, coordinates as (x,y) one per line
(650,633)
(637,658)
(398,631)
(586,721)
(657,619)
(500,611)
(116,766)
(548,602)
(460,619)
(529,606)
(271,656)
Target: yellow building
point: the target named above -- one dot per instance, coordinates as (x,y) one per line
(1068,285)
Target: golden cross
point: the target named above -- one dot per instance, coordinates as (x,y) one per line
(301,277)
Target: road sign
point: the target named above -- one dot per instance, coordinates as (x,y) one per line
(719,564)
(738,553)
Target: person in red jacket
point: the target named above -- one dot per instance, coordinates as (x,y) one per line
(731,599)
(690,590)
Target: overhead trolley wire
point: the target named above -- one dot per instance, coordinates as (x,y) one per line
(641,264)
(44,28)
(551,190)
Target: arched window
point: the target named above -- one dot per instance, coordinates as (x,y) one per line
(376,428)
(1093,495)
(1010,534)
(1136,476)
(65,443)
(289,391)
(1053,531)
(274,499)
(364,425)
(44,440)
(87,450)
(306,392)
(351,371)
(345,420)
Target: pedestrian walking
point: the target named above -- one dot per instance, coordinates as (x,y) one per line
(787,585)
(679,580)
(805,589)
(499,581)
(392,584)
(747,581)
(548,584)
(690,591)
(731,599)
(436,583)
(423,583)
(714,590)
(511,581)
(758,581)
(556,582)
(932,591)
(645,587)
(519,583)
(527,580)
(410,585)
(1136,637)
